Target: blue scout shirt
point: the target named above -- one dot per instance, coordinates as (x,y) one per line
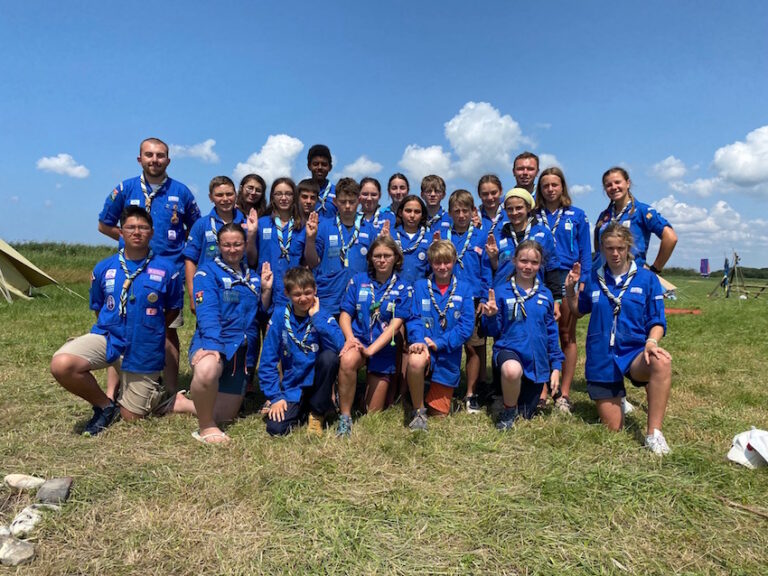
(460,323)
(325,207)
(332,274)
(507,245)
(438,222)
(642,307)
(363,298)
(490,223)
(139,336)
(225,310)
(533,337)
(570,228)
(641,219)
(415,264)
(297,362)
(268,245)
(202,244)
(470,247)
(377,221)
(173,212)
(389,214)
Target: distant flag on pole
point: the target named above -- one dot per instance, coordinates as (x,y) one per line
(704,267)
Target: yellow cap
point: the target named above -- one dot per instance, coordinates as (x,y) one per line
(520,193)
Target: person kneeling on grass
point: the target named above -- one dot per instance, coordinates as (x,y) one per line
(306,341)
(520,318)
(135,296)
(442,320)
(372,311)
(627,321)
(227,298)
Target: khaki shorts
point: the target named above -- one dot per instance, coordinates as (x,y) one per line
(178,322)
(139,393)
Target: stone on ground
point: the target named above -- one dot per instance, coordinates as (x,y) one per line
(55,490)
(14,552)
(23,482)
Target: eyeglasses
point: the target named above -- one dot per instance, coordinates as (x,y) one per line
(231,245)
(139,228)
(282,195)
(252,189)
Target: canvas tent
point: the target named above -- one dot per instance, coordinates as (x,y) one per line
(18,275)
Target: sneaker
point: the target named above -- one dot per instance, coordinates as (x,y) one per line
(419,420)
(102,420)
(507,419)
(541,406)
(564,405)
(472,404)
(315,425)
(344,428)
(626,407)
(656,443)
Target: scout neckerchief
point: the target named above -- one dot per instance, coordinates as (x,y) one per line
(213,226)
(612,208)
(148,197)
(302,344)
(518,308)
(526,232)
(615,300)
(324,195)
(375,307)
(412,247)
(375,219)
(239,278)
(285,247)
(129,278)
(442,314)
(463,250)
(344,251)
(543,220)
(496,219)
(431,221)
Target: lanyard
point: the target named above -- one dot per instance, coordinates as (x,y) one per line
(615,300)
(344,247)
(129,278)
(285,247)
(442,314)
(148,197)
(463,250)
(302,344)
(245,280)
(519,306)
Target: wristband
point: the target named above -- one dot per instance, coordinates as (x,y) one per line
(652,340)
(655,270)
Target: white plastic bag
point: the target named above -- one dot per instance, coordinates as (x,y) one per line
(750,448)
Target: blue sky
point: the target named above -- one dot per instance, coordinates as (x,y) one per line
(674,91)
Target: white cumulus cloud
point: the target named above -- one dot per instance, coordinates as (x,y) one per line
(669,169)
(274,160)
(745,163)
(63,164)
(361,167)
(579,189)
(548,161)
(419,162)
(703,187)
(202,151)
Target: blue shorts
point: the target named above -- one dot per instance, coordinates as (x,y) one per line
(608,390)
(233,378)
(530,391)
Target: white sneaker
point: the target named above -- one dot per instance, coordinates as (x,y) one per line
(656,443)
(626,407)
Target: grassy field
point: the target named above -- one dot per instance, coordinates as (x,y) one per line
(556,494)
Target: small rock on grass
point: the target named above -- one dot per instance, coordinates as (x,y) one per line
(14,552)
(26,520)
(55,490)
(4,531)
(23,482)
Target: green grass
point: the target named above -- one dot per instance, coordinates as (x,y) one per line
(557,494)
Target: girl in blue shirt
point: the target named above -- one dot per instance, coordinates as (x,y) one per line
(626,323)
(398,188)
(370,194)
(413,237)
(252,194)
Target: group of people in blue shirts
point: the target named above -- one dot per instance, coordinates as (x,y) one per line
(321,281)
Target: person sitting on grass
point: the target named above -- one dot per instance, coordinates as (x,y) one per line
(374,308)
(519,315)
(626,306)
(442,321)
(306,341)
(136,296)
(227,298)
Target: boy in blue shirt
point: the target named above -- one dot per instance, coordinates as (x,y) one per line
(306,341)
(320,163)
(433,192)
(135,295)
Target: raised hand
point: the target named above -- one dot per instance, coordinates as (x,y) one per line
(490,308)
(385,228)
(572,279)
(315,305)
(491,248)
(311,227)
(252,221)
(477,221)
(267,277)
(435,236)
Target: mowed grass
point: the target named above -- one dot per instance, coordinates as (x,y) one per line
(556,494)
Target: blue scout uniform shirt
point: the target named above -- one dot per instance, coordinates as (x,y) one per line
(202,244)
(460,323)
(533,337)
(572,242)
(325,207)
(377,221)
(438,222)
(331,273)
(642,307)
(268,245)
(365,296)
(173,210)
(415,264)
(491,222)
(470,247)
(225,310)
(298,363)
(641,221)
(506,245)
(139,336)
(389,214)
